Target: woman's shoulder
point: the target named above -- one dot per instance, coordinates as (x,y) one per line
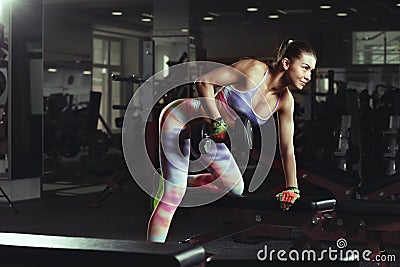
(250,62)
(251,66)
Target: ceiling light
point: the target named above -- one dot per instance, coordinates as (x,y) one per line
(341,14)
(273,16)
(87,72)
(117,13)
(146,19)
(252,9)
(52,70)
(184,30)
(325,6)
(208,18)
(398,4)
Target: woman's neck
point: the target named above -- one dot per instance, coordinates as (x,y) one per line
(274,84)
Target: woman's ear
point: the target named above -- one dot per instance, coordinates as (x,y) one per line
(285,63)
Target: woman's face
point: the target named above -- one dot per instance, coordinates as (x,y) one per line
(299,70)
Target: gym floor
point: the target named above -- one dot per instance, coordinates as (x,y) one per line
(69,207)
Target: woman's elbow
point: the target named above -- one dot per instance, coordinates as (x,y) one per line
(287,152)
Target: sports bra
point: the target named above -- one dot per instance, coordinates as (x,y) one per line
(240,103)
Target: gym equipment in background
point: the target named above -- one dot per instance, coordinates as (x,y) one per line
(119,170)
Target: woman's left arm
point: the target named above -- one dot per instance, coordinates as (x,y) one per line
(285,134)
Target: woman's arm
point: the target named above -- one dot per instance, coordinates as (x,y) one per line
(286,129)
(285,134)
(206,86)
(206,91)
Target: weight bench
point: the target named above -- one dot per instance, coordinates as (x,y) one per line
(32,250)
(254,214)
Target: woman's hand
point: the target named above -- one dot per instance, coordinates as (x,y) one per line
(219,130)
(288,197)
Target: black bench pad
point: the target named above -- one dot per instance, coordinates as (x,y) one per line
(368,207)
(265,202)
(44,250)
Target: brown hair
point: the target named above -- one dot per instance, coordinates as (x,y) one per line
(291,49)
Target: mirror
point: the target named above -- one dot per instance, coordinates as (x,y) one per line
(4,57)
(26,89)
(21,64)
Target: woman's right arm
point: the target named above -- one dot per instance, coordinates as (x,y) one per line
(207,83)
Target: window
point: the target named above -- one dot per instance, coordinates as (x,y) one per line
(376,47)
(107,60)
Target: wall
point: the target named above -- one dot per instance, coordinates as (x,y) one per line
(66,39)
(333,47)
(67,47)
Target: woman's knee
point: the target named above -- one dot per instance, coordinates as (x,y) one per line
(238,189)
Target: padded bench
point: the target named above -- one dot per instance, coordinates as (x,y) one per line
(268,202)
(33,250)
(366,208)
(254,211)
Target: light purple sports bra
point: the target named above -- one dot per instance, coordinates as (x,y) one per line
(240,102)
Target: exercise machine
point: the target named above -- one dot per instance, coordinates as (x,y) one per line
(115,183)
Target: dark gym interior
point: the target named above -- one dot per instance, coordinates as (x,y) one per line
(69,70)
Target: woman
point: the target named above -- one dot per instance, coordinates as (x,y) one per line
(247,89)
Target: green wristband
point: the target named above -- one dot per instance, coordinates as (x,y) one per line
(293,189)
(219,126)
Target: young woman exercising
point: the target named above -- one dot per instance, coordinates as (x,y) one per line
(246,89)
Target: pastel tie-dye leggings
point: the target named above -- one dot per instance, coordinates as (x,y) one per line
(175,151)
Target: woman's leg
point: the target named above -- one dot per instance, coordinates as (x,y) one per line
(203,179)
(222,174)
(174,159)
(224,167)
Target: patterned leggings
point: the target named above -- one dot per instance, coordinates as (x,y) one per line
(175,158)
